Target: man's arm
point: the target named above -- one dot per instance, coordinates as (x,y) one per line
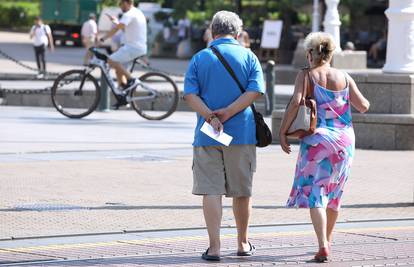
(245,100)
(52,44)
(195,102)
(118,26)
(32,32)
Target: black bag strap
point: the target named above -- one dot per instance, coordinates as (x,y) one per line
(232,74)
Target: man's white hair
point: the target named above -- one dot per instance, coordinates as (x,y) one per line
(226,23)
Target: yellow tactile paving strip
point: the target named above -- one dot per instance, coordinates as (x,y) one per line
(169,240)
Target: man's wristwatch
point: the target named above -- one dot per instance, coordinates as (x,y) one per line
(210,118)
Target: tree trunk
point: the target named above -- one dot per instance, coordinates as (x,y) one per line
(239,6)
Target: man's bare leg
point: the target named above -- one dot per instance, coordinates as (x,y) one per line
(212,207)
(241,211)
(120,70)
(122,80)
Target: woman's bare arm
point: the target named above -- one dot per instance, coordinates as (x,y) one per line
(291,111)
(358,101)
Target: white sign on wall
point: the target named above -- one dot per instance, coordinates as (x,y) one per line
(272,30)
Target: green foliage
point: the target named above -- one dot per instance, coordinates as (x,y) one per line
(197,18)
(161,16)
(273,15)
(182,6)
(212,6)
(18,13)
(345,20)
(304,19)
(355,5)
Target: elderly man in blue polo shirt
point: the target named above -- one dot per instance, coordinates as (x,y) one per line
(210,91)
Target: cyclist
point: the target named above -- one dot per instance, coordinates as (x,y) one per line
(134,25)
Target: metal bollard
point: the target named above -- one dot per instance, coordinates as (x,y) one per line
(105,101)
(270,83)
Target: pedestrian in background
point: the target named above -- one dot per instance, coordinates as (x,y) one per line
(211,91)
(183,29)
(207,37)
(244,39)
(325,157)
(41,34)
(89,33)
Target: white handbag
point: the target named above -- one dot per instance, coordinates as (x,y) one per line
(305,121)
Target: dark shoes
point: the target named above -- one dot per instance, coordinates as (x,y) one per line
(207,257)
(248,253)
(251,251)
(120,101)
(131,83)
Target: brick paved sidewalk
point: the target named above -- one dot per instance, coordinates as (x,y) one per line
(115,172)
(356,244)
(72,197)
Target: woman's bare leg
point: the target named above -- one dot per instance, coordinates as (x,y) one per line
(318,216)
(331,217)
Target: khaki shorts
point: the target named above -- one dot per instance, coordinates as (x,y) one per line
(226,171)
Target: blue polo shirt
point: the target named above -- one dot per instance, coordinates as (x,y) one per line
(208,78)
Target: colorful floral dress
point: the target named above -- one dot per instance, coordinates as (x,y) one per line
(325,157)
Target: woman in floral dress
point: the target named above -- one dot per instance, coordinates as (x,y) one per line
(325,157)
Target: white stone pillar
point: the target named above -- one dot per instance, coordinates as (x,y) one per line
(332,22)
(315,16)
(400,40)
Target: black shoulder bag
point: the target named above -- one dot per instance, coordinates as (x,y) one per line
(263,133)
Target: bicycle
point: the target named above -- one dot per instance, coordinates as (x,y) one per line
(76,93)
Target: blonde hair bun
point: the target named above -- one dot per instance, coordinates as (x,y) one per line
(321,45)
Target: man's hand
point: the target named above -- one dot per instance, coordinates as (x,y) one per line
(217,125)
(112,18)
(284,143)
(223,114)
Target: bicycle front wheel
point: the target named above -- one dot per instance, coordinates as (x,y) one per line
(75,94)
(156,97)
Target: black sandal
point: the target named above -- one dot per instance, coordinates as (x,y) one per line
(207,257)
(247,253)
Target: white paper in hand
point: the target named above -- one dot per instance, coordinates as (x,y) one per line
(222,137)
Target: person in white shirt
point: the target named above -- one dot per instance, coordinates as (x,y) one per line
(42,37)
(134,25)
(89,34)
(183,29)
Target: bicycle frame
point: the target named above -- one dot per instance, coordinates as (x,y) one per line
(103,66)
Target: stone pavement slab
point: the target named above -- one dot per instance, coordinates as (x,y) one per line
(356,244)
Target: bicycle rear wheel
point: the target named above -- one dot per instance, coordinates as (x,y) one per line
(156,97)
(75,94)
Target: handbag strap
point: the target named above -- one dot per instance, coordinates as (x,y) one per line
(231,72)
(306,88)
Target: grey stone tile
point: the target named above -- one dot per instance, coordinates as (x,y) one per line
(374,136)
(390,78)
(39,100)
(379,95)
(404,137)
(402,101)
